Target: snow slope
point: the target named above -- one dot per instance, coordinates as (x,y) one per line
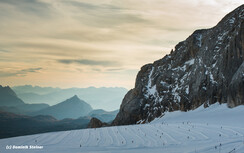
(210,130)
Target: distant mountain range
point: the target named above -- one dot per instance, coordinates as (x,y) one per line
(10,102)
(105,98)
(18,118)
(70,108)
(103,115)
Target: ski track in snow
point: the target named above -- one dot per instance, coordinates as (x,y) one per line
(148,138)
(174,133)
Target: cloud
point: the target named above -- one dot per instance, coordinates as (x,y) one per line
(30,70)
(96,70)
(89,62)
(103,15)
(28,7)
(91,7)
(112,39)
(3,50)
(114,69)
(22,72)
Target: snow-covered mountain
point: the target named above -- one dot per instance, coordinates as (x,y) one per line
(206,68)
(203,130)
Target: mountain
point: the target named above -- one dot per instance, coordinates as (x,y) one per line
(103,115)
(34,89)
(70,108)
(8,97)
(99,98)
(204,69)
(18,125)
(10,102)
(14,122)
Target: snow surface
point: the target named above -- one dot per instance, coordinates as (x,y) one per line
(210,130)
(190,62)
(151,90)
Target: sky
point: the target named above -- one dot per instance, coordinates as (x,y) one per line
(78,43)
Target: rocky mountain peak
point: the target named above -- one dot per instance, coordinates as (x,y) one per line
(70,108)
(74,98)
(7,90)
(204,69)
(8,97)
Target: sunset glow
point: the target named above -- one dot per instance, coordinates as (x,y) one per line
(77,43)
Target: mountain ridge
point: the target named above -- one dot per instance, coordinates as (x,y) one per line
(203,69)
(8,97)
(96,97)
(10,102)
(70,108)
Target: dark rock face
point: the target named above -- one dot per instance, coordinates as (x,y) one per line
(96,123)
(206,68)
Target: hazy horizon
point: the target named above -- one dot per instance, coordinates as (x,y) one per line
(66,87)
(103,44)
(106,98)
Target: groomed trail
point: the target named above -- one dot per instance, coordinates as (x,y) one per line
(209,130)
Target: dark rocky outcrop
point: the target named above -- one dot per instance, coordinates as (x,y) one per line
(206,68)
(96,123)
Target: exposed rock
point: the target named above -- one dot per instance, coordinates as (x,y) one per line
(236,88)
(96,123)
(204,69)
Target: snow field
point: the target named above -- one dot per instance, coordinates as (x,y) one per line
(177,132)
